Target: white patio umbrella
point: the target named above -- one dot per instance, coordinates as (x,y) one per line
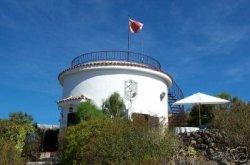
(200,99)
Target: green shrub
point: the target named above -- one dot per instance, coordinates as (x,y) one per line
(233,119)
(117,141)
(87,111)
(31,147)
(235,124)
(9,154)
(14,132)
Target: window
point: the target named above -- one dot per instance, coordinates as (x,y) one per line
(70,109)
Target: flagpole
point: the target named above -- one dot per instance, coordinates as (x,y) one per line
(142,46)
(128,38)
(128,33)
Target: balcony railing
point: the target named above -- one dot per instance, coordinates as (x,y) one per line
(116,56)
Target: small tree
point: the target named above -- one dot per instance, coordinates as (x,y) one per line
(87,110)
(20,118)
(13,134)
(235,102)
(206,115)
(114,106)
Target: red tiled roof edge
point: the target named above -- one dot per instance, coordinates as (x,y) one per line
(73,98)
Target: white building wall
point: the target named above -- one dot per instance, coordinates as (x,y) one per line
(99,83)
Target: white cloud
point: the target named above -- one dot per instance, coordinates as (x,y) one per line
(209,24)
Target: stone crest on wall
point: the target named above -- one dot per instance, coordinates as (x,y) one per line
(130,88)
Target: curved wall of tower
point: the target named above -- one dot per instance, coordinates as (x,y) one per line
(98,81)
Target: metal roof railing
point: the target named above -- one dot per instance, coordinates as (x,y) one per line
(126,56)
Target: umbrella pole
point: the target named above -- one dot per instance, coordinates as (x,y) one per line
(199,115)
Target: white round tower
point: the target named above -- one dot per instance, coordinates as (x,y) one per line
(95,76)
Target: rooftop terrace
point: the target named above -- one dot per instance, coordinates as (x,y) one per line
(126,56)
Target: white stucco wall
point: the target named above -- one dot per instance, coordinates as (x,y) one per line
(98,83)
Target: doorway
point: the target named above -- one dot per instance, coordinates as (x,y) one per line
(72,119)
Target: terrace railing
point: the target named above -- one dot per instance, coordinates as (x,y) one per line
(126,56)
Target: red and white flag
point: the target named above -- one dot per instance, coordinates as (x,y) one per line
(135,26)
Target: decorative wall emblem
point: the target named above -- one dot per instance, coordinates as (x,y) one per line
(130,88)
(162,95)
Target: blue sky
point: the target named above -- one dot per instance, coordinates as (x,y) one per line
(203,44)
